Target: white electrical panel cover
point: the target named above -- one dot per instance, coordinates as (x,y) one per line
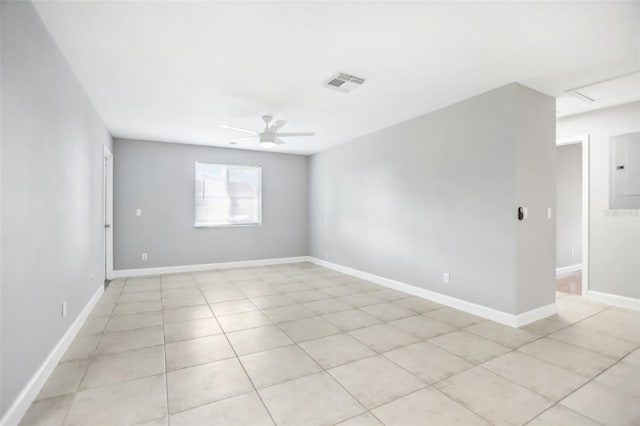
(624,171)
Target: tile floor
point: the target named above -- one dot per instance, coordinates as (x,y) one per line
(302,345)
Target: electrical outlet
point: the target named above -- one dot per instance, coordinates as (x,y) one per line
(145,256)
(138,212)
(445,278)
(573,252)
(548,212)
(64,309)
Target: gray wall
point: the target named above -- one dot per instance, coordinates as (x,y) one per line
(438,193)
(535,189)
(614,235)
(159,179)
(52,148)
(569,205)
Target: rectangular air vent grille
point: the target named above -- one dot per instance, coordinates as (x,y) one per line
(344,82)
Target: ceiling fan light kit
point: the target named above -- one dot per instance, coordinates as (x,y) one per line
(271,134)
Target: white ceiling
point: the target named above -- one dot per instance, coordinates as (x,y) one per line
(176,70)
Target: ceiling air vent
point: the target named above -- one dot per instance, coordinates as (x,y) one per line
(344,82)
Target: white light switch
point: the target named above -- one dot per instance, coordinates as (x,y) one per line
(445,278)
(138,212)
(548,212)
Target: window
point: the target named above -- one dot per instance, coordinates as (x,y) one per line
(228,195)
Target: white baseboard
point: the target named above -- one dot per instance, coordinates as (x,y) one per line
(613,299)
(124,273)
(568,269)
(462,305)
(29,393)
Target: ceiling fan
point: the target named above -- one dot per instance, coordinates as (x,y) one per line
(271,134)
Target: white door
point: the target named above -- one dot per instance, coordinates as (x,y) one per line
(107,201)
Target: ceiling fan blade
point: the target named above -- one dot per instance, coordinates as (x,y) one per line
(280,124)
(224,126)
(243,138)
(296,134)
(279,141)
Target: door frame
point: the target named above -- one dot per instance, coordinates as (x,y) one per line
(107,212)
(584,141)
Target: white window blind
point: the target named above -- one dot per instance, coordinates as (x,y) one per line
(227,195)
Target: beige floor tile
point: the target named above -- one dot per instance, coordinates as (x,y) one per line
(629,331)
(375,381)
(364,419)
(120,404)
(258,339)
(273,301)
(351,319)
(291,287)
(182,301)
(308,328)
(215,286)
(474,349)
(181,292)
(102,309)
(388,311)
(422,327)
(203,384)
(233,307)
(307,296)
(132,321)
(141,296)
(325,402)
(275,366)
(244,320)
(453,317)
(327,306)
(332,351)
(184,330)
(137,307)
(93,326)
(48,412)
(559,415)
(546,379)
(493,397)
(389,295)
(633,358)
(383,337)
(427,361)
(141,284)
(123,366)
(338,290)
(243,410)
(595,341)
(224,296)
(202,350)
(81,347)
(186,314)
(622,376)
(426,405)
(173,285)
(569,357)
(502,334)
(120,341)
(360,299)
(418,304)
(546,326)
(287,313)
(162,421)
(605,405)
(64,379)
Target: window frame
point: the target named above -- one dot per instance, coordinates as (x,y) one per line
(227,225)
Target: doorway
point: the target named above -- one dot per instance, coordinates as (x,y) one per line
(107,202)
(572,215)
